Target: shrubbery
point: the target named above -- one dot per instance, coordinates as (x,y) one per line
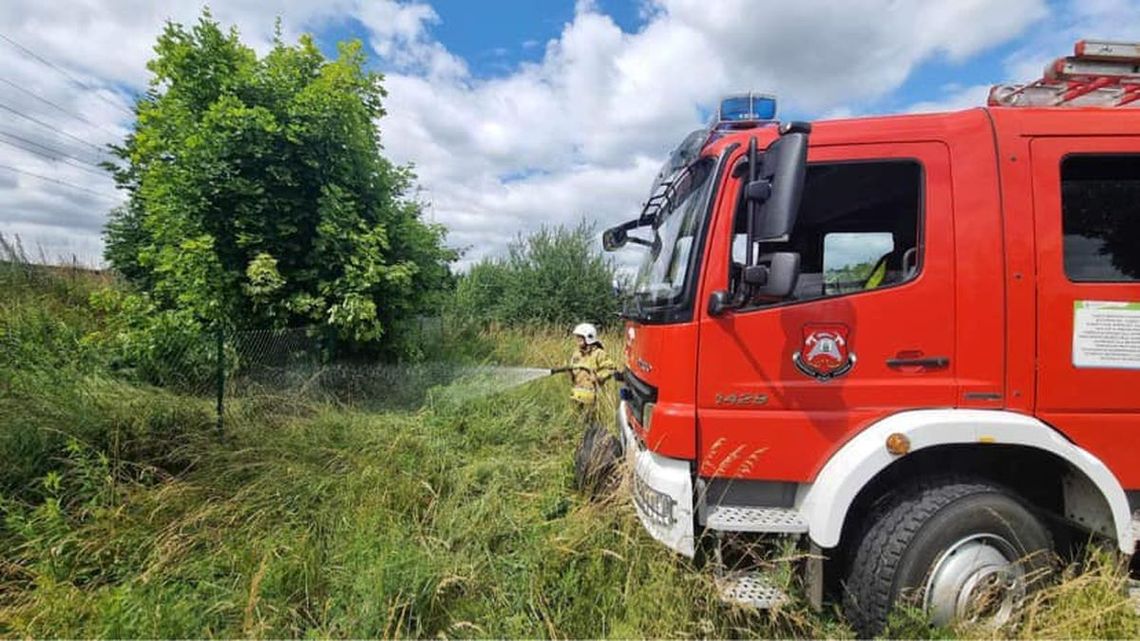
(258,197)
(554,276)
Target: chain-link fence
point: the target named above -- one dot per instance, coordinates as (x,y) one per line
(53,329)
(248,371)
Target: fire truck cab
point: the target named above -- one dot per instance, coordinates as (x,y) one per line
(910,344)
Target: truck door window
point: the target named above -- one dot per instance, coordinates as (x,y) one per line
(857,230)
(1100,218)
(854,261)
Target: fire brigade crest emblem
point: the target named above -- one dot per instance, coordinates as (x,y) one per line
(825,353)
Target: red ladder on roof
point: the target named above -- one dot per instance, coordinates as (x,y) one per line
(1099,74)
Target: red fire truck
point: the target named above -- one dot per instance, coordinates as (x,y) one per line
(909,343)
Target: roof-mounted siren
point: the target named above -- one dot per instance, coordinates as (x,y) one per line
(744,111)
(733,112)
(1099,74)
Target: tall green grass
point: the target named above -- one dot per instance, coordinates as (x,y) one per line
(124,516)
(458,522)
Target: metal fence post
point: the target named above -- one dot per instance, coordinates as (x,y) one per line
(221,377)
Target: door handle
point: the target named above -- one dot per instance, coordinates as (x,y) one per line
(932,362)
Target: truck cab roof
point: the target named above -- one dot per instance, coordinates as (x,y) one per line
(1007,121)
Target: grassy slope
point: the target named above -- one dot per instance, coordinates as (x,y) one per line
(124,518)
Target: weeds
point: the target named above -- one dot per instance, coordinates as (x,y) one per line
(1091,600)
(123,515)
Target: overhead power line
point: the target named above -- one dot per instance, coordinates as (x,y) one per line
(53,158)
(50,150)
(59,182)
(65,73)
(78,117)
(51,127)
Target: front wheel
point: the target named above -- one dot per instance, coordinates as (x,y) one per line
(965,551)
(596,460)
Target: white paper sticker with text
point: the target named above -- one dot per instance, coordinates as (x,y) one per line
(1106,334)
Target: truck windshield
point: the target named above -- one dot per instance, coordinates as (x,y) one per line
(661,277)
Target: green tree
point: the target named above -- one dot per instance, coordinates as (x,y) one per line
(258,195)
(555,275)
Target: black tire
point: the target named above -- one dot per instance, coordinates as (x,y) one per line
(596,460)
(906,536)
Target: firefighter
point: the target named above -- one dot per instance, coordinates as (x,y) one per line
(590,367)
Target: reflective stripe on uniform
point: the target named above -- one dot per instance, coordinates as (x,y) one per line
(583,394)
(589,371)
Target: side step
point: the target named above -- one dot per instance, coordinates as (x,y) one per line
(750,589)
(742,518)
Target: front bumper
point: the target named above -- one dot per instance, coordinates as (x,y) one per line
(662,491)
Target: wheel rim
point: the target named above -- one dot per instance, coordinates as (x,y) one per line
(976,580)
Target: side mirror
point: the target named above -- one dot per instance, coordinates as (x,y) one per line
(614,238)
(720,301)
(777,273)
(772,278)
(775,187)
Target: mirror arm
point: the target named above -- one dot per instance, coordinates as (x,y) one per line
(629,225)
(753,171)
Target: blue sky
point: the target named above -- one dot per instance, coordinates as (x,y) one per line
(494,38)
(513,31)
(522,113)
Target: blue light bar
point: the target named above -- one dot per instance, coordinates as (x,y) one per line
(734,112)
(749,107)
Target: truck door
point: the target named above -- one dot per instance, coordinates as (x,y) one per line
(870,329)
(1087,224)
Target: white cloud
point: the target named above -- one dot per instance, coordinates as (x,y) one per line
(1078,19)
(580,132)
(954,99)
(603,106)
(838,113)
(105,46)
(51,138)
(399,33)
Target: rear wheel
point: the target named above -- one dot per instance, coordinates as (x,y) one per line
(962,550)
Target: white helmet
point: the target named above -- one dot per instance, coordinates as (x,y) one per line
(586,331)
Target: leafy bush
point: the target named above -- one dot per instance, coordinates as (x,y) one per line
(167,347)
(258,195)
(553,276)
(54,383)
